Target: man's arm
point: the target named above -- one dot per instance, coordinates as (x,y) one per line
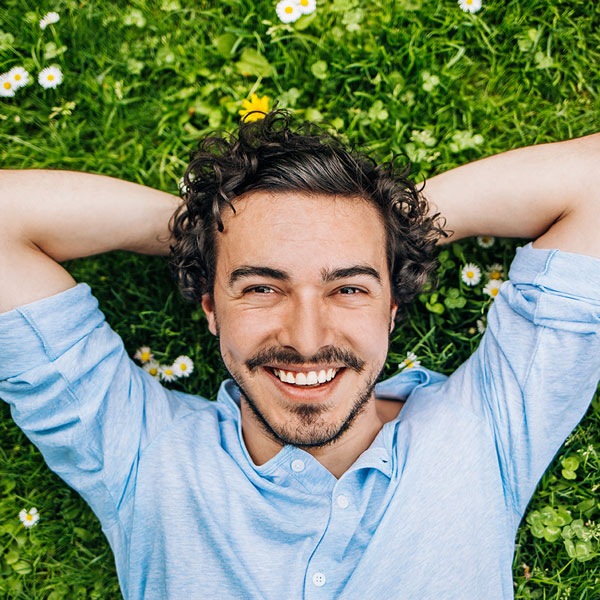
(550,192)
(51,216)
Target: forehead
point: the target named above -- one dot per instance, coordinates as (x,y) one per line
(300,232)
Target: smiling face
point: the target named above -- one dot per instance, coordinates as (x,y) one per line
(302,307)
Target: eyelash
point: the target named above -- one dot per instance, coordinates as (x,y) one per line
(347,287)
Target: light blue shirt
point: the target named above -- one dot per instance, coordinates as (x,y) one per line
(430,510)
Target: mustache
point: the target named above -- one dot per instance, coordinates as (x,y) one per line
(291,358)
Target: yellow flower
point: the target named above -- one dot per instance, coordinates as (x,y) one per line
(254,104)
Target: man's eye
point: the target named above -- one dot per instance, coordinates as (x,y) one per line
(348,291)
(260,289)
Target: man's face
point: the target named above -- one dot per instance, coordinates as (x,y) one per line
(302,293)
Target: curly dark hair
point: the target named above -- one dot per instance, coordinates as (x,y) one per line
(267,155)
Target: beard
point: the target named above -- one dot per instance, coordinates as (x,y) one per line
(308,426)
(308,429)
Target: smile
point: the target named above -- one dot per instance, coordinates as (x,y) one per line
(309,378)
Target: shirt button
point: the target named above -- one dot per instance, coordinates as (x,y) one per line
(342,501)
(319,579)
(298,465)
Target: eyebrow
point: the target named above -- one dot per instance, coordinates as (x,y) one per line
(327,275)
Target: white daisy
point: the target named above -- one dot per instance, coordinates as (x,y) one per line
(143,354)
(471,274)
(50,77)
(183,189)
(492,287)
(410,361)
(470,5)
(481,325)
(495,271)
(152,367)
(29,519)
(167,373)
(485,241)
(183,366)
(307,6)
(7,87)
(288,11)
(48,18)
(18,76)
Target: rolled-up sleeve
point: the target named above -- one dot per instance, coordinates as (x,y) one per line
(537,367)
(79,398)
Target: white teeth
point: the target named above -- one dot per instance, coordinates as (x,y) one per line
(310,378)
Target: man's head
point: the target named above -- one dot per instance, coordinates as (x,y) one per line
(301,252)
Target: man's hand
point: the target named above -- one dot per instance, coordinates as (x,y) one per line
(550,192)
(51,216)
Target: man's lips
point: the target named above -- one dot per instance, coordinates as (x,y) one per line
(305,392)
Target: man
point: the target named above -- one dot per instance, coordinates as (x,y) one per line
(304,479)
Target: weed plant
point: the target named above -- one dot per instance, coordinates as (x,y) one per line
(144,80)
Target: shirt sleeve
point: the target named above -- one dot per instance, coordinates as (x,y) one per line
(537,367)
(77,395)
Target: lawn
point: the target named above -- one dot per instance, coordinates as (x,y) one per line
(143,81)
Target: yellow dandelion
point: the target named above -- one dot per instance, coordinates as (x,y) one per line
(254,104)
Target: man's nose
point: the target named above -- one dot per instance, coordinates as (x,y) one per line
(306,326)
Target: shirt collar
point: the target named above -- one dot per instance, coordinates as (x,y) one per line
(378,455)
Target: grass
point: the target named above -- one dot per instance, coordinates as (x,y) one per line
(145,80)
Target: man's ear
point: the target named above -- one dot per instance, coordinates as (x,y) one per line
(208,305)
(394,310)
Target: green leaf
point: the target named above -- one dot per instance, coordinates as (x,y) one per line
(436,308)
(581,551)
(312,114)
(537,529)
(11,557)
(225,43)
(319,69)
(353,18)
(340,5)
(337,123)
(543,61)
(134,17)
(134,66)
(254,63)
(455,302)
(578,528)
(22,567)
(304,21)
(6,40)
(534,517)
(552,533)
(377,112)
(84,534)
(584,551)
(289,97)
(52,51)
(170,5)
(586,506)
(563,516)
(570,464)
(549,516)
(165,56)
